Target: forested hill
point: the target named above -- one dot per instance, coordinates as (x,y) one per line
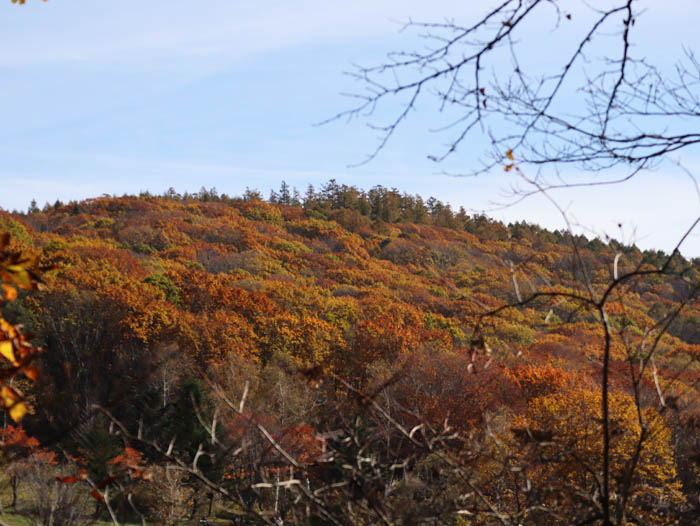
(149,291)
(341,277)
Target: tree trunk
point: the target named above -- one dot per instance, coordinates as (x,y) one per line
(14,481)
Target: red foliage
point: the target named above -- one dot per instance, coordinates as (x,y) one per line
(450,386)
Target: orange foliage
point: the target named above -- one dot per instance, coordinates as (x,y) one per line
(17,446)
(449,386)
(346,282)
(542,380)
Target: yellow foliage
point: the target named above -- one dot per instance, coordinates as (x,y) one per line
(567,429)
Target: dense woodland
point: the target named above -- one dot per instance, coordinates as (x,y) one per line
(344,357)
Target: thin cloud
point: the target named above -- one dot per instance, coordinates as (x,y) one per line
(85,31)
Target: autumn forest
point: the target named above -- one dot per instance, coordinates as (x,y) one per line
(340,357)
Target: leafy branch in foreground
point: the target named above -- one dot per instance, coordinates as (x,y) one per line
(16,271)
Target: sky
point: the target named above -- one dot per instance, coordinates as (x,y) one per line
(115,97)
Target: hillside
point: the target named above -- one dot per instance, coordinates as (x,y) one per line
(372,291)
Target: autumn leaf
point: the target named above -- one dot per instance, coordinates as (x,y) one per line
(8,395)
(18,411)
(8,352)
(9,291)
(12,400)
(32,373)
(509,167)
(509,154)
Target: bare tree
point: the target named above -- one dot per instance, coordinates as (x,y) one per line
(580,96)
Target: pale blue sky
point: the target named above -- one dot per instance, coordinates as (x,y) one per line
(116,97)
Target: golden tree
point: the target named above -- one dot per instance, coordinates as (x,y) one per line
(564,432)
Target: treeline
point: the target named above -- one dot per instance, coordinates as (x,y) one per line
(389,205)
(353,208)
